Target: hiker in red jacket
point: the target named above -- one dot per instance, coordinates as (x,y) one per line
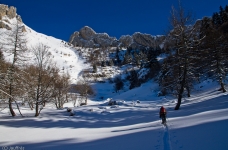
(163,115)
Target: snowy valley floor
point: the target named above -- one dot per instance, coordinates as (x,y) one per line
(200,124)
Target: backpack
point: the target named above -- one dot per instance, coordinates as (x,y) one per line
(162,110)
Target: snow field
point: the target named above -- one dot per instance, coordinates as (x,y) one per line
(200,125)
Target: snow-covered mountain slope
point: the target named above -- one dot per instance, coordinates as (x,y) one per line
(63,54)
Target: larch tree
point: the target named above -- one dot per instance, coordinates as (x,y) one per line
(14,47)
(215,47)
(178,70)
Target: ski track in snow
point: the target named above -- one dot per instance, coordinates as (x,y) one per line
(166,139)
(170,139)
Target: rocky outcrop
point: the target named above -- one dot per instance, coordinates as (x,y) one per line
(87,33)
(3,10)
(10,12)
(147,40)
(126,40)
(87,37)
(4,25)
(104,40)
(23,29)
(19,18)
(78,41)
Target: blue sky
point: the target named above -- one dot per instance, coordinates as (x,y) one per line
(60,18)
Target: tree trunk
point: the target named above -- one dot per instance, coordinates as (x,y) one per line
(86,99)
(222,86)
(10,101)
(18,109)
(37,109)
(188,90)
(179,97)
(11,108)
(182,87)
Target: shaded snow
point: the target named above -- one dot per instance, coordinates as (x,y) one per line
(200,124)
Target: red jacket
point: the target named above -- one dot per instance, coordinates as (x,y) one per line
(162,111)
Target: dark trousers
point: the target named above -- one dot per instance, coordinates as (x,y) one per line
(163,116)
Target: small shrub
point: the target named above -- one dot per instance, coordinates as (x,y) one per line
(69,109)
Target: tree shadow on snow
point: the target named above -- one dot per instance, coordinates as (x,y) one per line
(133,141)
(83,120)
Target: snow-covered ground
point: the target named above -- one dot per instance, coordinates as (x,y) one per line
(200,124)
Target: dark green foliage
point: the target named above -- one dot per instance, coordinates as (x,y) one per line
(148,59)
(118,83)
(134,80)
(214,47)
(103,63)
(117,57)
(127,58)
(220,17)
(226,8)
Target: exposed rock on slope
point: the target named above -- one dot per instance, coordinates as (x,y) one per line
(9,12)
(87,33)
(147,39)
(87,37)
(126,40)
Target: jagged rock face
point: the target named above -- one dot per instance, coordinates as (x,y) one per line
(87,33)
(87,37)
(104,40)
(8,11)
(3,10)
(19,18)
(75,39)
(147,39)
(11,13)
(126,40)
(3,25)
(144,39)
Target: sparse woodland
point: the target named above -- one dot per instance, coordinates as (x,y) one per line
(33,82)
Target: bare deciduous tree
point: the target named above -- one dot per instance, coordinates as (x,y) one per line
(42,77)
(84,89)
(60,89)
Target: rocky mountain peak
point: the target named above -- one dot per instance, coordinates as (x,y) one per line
(10,13)
(87,37)
(86,32)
